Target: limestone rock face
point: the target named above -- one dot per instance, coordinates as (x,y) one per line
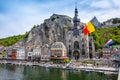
(111,22)
(53,29)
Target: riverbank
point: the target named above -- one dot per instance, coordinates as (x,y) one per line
(88,67)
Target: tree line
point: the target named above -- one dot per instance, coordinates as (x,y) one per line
(101,35)
(8,41)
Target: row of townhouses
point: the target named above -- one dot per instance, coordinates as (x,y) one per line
(111,52)
(56,51)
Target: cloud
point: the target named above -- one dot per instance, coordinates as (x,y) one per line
(116,3)
(20,19)
(103,10)
(101,4)
(19,16)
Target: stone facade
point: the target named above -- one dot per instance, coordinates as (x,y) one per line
(77,43)
(45,53)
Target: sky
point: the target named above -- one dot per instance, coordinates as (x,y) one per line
(19,16)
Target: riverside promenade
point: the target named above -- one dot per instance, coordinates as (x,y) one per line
(90,68)
(69,66)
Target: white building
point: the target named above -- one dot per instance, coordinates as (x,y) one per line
(20,53)
(29,55)
(36,53)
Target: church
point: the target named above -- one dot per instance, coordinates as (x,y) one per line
(79,46)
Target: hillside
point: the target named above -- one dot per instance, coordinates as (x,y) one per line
(12,39)
(111,22)
(101,35)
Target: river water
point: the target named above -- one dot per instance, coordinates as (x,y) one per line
(12,72)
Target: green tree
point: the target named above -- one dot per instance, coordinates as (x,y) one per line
(101,35)
(13,39)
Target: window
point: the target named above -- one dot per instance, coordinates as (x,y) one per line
(76,45)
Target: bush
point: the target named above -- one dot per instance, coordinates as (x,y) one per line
(57,17)
(60,61)
(88,62)
(53,19)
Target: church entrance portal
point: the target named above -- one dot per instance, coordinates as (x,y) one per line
(76,55)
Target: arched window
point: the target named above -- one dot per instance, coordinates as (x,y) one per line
(69,47)
(76,45)
(83,40)
(83,46)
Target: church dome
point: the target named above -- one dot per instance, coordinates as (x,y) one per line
(58,45)
(76,19)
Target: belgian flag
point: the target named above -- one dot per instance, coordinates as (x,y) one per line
(90,26)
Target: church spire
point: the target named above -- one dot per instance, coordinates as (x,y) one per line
(76,19)
(75,5)
(76,11)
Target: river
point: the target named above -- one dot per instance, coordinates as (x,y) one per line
(12,72)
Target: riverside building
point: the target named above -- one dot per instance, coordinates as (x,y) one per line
(20,53)
(58,51)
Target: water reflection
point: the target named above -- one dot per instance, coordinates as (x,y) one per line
(12,72)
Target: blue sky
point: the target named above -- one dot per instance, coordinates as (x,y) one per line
(18,16)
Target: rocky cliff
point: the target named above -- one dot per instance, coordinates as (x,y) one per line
(53,29)
(111,22)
